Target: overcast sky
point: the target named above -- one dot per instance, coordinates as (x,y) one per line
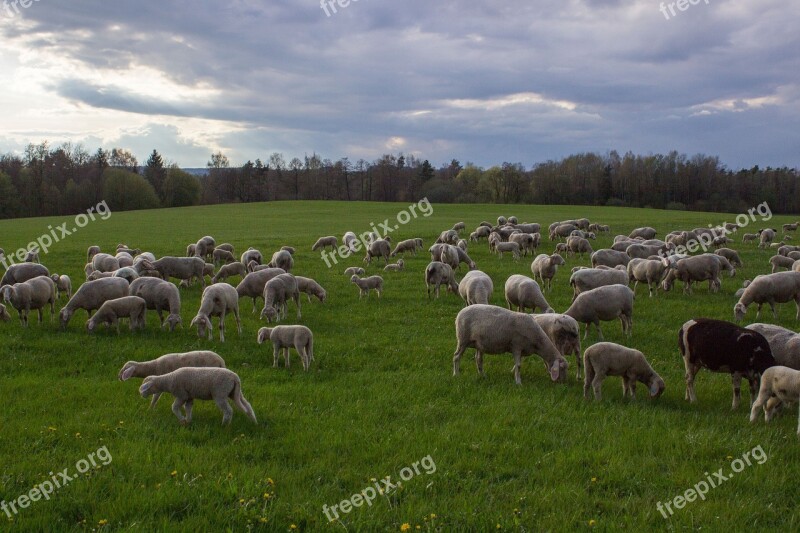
(486,82)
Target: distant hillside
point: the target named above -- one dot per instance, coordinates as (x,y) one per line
(196,171)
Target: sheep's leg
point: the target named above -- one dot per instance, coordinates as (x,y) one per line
(587,382)
(517,368)
(286,356)
(41,315)
(188,408)
(275,355)
(774,312)
(297,301)
(736,379)
(771,407)
(479,362)
(221,326)
(760,402)
(301,351)
(691,372)
(597,385)
(238,320)
(753,381)
(578,365)
(625,386)
(176,408)
(153,401)
(599,330)
(632,388)
(457,358)
(227,410)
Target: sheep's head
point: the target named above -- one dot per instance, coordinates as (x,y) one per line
(269,313)
(6,293)
(90,325)
(203,324)
(64,315)
(558,370)
(127,371)
(146,388)
(263,335)
(739,310)
(657,386)
(4,316)
(322,295)
(354,278)
(173,320)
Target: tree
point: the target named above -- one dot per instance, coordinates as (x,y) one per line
(426,171)
(155,173)
(124,191)
(121,158)
(295,165)
(180,188)
(8,197)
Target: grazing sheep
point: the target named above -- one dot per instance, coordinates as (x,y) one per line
(131,307)
(188,384)
(437,274)
(311,288)
(786,249)
(525,242)
(459,227)
(289,249)
(508,247)
(501,220)
(545,267)
(105,262)
(91,252)
(34,293)
(645,233)
(222,256)
(4,316)
(749,237)
(63,285)
(251,254)
(766,236)
(91,295)
(778,262)
(780,287)
(354,271)
(604,303)
(731,255)
(277,292)
(225,246)
(22,272)
(32,256)
(349,240)
(204,247)
(462,244)
(495,330)
(650,271)
(746,283)
(282,259)
(324,242)
(704,267)
(523,292)
(779,384)
(476,288)
(231,269)
(609,359)
(579,245)
(419,243)
(784,343)
(610,258)
(587,279)
(565,334)
(217,300)
(365,284)
(794,255)
(378,248)
(285,337)
(182,268)
(790,227)
(159,295)
(395,267)
(723,347)
(408,245)
(562,231)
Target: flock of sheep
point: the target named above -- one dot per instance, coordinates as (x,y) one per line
(130,282)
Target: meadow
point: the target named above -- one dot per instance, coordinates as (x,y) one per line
(379,397)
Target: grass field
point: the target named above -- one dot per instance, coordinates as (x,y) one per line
(380,397)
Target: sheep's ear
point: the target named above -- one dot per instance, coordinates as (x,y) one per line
(127,373)
(145,386)
(554,371)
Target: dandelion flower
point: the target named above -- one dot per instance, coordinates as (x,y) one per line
(405,527)
(102,522)
(173,473)
(594,480)
(293,527)
(592,523)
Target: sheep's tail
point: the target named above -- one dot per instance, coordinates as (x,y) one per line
(240,401)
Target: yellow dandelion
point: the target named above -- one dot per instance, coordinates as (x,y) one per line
(51,428)
(230,475)
(102,522)
(405,527)
(121,422)
(263,520)
(729,457)
(269,481)
(433,515)
(267,495)
(241,501)
(293,527)
(592,523)
(594,480)
(77,435)
(173,473)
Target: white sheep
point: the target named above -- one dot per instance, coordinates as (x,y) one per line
(367,284)
(222,256)
(189,384)
(4,316)
(604,303)
(252,285)
(545,267)
(160,295)
(22,272)
(408,245)
(324,242)
(311,288)
(235,268)
(91,295)
(285,337)
(378,248)
(277,292)
(91,252)
(784,343)
(523,292)
(476,287)
(508,247)
(354,271)
(610,359)
(780,287)
(251,254)
(349,240)
(650,271)
(131,307)
(217,300)
(437,274)
(495,330)
(35,293)
(395,267)
(63,285)
(587,279)
(779,384)
(282,259)
(565,334)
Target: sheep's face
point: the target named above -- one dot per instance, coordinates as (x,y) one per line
(353,278)
(263,335)
(269,313)
(64,315)
(739,310)
(127,371)
(203,324)
(146,388)
(657,387)
(4,316)
(558,371)
(173,320)
(5,292)
(322,296)
(90,325)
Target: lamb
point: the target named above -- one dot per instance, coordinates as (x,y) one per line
(311,288)
(91,295)
(189,384)
(225,246)
(276,292)
(63,285)
(780,287)
(22,272)
(168,363)
(610,258)
(349,240)
(183,268)
(591,278)
(324,242)
(724,347)
(408,245)
(217,300)
(105,262)
(523,292)
(696,268)
(459,227)
(354,271)
(749,237)
(91,252)
(778,262)
(790,227)
(222,256)
(282,259)
(610,359)
(508,247)
(34,293)
(204,247)
(4,316)
(766,236)
(378,248)
(650,271)
(32,256)
(437,274)
(645,233)
(111,311)
(579,245)
(476,288)
(251,254)
(604,303)
(395,267)
(545,267)
(731,255)
(236,268)
(284,337)
(159,295)
(784,343)
(289,249)
(779,384)
(495,330)
(365,284)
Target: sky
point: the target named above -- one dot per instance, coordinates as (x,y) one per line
(483,82)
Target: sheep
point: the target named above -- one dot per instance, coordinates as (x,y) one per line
(395,267)
(105,262)
(724,264)
(475,288)
(91,295)
(610,359)
(724,347)
(493,239)
(495,330)
(32,256)
(784,343)
(378,248)
(4,316)
(159,295)
(34,293)
(324,242)
(501,220)
(231,269)
(523,292)
(217,300)
(285,337)
(604,303)
(749,237)
(354,271)
(482,232)
(794,255)
(111,311)
(188,384)
(790,227)
(168,363)
(365,284)
(225,246)
(645,233)
(282,259)
(796,266)
(731,255)
(349,241)
(779,384)
(204,247)
(591,278)
(251,254)
(311,288)
(691,269)
(63,285)
(565,334)
(437,274)
(276,292)
(545,267)
(289,249)
(561,248)
(408,245)
(766,236)
(462,244)
(746,283)
(785,249)
(610,258)
(562,231)
(780,287)
(22,272)
(508,247)
(459,227)
(778,262)
(91,252)
(222,256)
(650,271)
(525,242)
(579,245)
(183,268)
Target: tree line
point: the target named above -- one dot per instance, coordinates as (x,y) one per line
(68,179)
